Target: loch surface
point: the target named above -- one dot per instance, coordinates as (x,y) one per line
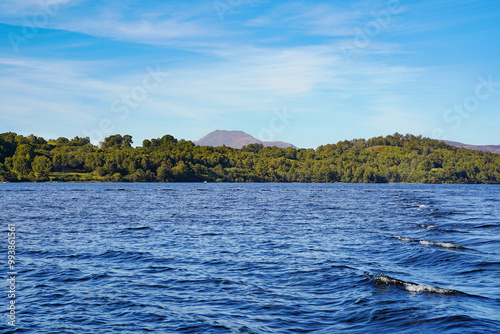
(253,258)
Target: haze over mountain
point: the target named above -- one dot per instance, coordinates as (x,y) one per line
(235,139)
(484,148)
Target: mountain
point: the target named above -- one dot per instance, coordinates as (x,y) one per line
(235,139)
(484,148)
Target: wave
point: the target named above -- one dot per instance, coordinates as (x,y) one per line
(124,255)
(429,227)
(433,227)
(440,244)
(414,287)
(138,228)
(431,243)
(487,226)
(446,214)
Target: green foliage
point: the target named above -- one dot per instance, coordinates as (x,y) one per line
(22,160)
(8,145)
(395,158)
(117,141)
(6,174)
(42,165)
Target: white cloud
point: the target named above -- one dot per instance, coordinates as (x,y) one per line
(160,31)
(238,69)
(21,8)
(157,23)
(330,20)
(314,19)
(54,92)
(239,80)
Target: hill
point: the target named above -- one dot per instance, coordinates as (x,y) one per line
(395,158)
(235,139)
(484,148)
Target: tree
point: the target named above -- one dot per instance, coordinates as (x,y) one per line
(127,141)
(77,141)
(163,173)
(7,145)
(22,160)
(180,171)
(60,161)
(42,165)
(5,174)
(114,141)
(62,140)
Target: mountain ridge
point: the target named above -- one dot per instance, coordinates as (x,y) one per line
(484,148)
(235,139)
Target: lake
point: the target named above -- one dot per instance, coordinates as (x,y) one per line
(253,258)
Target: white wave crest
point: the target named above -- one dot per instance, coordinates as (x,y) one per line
(440,244)
(431,243)
(404,239)
(412,287)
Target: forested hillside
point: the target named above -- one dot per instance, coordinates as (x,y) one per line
(395,158)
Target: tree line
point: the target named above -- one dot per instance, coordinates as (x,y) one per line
(394,158)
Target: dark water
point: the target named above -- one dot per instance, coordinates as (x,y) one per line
(254,258)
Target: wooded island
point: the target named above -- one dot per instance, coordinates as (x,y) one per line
(394,158)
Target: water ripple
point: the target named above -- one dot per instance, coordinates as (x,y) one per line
(255,258)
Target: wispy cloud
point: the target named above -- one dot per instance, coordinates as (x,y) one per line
(21,8)
(310,18)
(427,15)
(142,29)
(263,56)
(157,23)
(327,19)
(54,92)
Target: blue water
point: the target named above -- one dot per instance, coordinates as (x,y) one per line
(254,258)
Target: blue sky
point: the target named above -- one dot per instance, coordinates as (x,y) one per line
(305,72)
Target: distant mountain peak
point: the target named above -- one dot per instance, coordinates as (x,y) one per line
(235,139)
(484,148)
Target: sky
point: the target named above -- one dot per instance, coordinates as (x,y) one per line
(305,72)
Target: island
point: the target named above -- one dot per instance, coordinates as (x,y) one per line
(391,159)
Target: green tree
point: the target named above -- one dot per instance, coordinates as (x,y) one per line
(114,141)
(163,173)
(6,174)
(127,141)
(22,160)
(41,165)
